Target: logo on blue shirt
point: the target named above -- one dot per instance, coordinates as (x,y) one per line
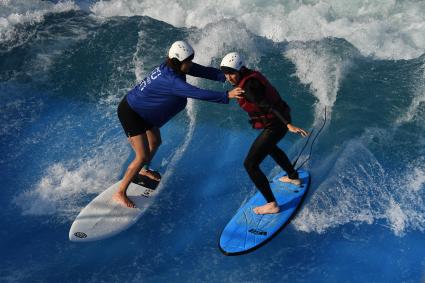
(152,76)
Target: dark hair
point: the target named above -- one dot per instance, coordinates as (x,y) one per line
(175,63)
(228,70)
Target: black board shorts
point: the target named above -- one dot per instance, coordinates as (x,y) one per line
(131,122)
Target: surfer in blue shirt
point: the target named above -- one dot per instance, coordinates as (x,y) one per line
(157,99)
(268,112)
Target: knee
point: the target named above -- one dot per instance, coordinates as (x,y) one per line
(249,165)
(138,162)
(156,142)
(143,159)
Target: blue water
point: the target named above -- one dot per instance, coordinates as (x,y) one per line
(65,65)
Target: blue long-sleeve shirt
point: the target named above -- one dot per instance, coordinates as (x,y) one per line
(163,93)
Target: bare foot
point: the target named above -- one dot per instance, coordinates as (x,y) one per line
(123,199)
(153,175)
(268,208)
(286,179)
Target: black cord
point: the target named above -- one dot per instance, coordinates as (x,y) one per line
(312,143)
(299,154)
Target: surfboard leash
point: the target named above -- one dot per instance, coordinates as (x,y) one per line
(311,145)
(302,150)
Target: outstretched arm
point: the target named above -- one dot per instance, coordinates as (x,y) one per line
(209,73)
(184,89)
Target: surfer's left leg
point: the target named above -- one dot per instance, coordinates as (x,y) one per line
(258,151)
(283,161)
(154,140)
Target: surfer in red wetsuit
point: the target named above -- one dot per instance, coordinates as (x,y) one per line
(268,112)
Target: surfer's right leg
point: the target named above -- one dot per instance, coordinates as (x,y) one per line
(135,128)
(139,144)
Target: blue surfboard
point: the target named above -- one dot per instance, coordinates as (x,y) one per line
(248,231)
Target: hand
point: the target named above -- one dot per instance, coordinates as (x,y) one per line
(236,93)
(297,130)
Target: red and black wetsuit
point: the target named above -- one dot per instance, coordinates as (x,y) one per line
(270,113)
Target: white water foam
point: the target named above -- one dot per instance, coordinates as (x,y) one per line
(381,29)
(65,185)
(216,40)
(358,190)
(408,212)
(26,12)
(139,70)
(321,70)
(416,110)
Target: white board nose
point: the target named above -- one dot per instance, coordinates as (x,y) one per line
(76,236)
(103,217)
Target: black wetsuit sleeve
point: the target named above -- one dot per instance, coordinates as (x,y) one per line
(280,116)
(255,93)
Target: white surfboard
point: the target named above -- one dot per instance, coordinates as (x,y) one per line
(103,217)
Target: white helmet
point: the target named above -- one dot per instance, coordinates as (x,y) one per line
(232,61)
(180,50)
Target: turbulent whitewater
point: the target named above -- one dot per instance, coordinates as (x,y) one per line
(65,65)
